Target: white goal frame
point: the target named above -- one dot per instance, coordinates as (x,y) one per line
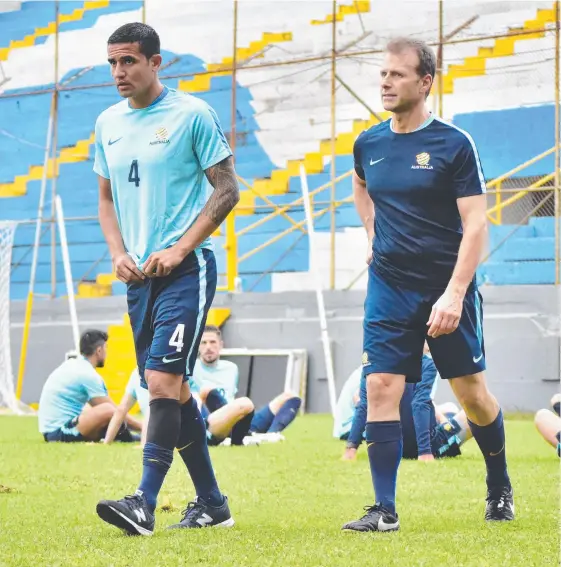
(296,373)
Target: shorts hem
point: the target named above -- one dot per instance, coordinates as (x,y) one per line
(371,369)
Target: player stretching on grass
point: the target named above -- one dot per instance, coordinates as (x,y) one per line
(420,192)
(156,153)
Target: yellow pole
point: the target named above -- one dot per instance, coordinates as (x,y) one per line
(234,79)
(143,11)
(24,343)
(231,251)
(333,140)
(498,199)
(54,154)
(557,215)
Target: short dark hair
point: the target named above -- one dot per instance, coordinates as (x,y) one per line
(90,340)
(213,329)
(427,58)
(139,33)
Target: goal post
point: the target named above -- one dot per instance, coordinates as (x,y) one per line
(267,372)
(7,386)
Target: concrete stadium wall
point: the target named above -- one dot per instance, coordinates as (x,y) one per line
(521,337)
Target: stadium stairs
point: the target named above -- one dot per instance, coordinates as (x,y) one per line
(281,184)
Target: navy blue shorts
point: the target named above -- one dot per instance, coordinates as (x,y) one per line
(168,315)
(68,433)
(395,328)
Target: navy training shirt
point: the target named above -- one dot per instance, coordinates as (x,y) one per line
(414,180)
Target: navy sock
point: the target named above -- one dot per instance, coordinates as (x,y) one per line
(156,463)
(286,415)
(491,441)
(163,428)
(385,447)
(193,448)
(215,400)
(241,429)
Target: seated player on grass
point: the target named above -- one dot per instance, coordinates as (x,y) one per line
(548,423)
(217,381)
(74,405)
(220,425)
(425,436)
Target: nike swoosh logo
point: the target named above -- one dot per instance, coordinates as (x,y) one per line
(478,358)
(111,142)
(497,453)
(188,445)
(377,161)
(383,527)
(166,360)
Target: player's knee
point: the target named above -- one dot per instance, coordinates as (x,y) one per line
(204,392)
(163,385)
(245,406)
(556,402)
(288,395)
(379,386)
(541,416)
(106,412)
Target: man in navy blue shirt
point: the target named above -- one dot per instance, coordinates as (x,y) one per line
(420,192)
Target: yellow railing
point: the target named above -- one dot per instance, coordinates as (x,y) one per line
(233,260)
(232,236)
(497,183)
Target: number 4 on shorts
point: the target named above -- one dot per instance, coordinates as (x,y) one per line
(177,337)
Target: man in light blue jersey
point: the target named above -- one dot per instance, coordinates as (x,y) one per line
(167,182)
(216,381)
(74,404)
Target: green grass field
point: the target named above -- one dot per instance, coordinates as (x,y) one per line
(289,501)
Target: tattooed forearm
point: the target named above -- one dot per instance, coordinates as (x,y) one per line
(226,192)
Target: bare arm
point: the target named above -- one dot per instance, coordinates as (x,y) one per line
(118,417)
(108,218)
(364,204)
(474,221)
(447,311)
(224,198)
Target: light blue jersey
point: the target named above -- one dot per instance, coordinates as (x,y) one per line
(223,375)
(346,404)
(138,393)
(67,390)
(155,158)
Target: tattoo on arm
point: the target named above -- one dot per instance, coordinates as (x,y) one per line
(226,192)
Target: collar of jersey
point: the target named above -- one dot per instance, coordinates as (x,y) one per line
(423,125)
(158,99)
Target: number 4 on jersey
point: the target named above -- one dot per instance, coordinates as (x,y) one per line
(177,337)
(133,173)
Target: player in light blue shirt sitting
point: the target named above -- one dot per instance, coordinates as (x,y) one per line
(74,404)
(216,382)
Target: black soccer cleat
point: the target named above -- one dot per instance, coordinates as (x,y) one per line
(376,519)
(130,514)
(198,514)
(500,505)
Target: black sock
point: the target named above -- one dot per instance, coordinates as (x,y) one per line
(163,429)
(241,429)
(193,448)
(491,441)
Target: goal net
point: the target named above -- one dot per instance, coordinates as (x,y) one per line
(266,373)
(7,390)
